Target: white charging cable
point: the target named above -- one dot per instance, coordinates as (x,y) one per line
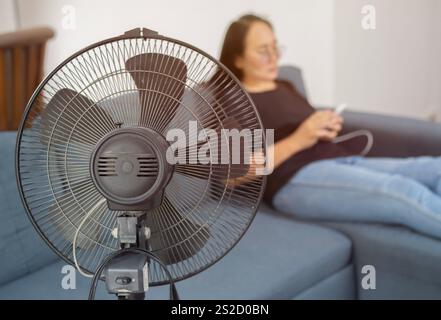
(359,133)
(74,244)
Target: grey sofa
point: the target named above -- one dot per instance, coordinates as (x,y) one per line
(406,263)
(280,257)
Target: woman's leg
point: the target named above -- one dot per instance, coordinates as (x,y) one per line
(426,170)
(335,191)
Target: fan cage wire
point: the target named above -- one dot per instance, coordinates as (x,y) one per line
(90,73)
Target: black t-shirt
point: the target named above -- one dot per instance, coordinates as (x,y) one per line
(284,109)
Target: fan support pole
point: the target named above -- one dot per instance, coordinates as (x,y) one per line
(127,275)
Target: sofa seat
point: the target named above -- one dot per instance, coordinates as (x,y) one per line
(407,263)
(276,259)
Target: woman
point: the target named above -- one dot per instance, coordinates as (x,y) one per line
(313,177)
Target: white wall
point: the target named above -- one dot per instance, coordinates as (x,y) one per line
(7,17)
(434,89)
(395,68)
(303,26)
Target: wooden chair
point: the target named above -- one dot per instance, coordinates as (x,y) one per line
(21,70)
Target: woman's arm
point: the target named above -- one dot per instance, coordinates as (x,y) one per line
(283,150)
(321,125)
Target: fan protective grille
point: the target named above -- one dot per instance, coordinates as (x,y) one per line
(127,83)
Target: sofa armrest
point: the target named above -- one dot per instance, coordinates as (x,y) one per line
(396,136)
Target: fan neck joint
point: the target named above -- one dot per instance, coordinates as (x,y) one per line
(141,32)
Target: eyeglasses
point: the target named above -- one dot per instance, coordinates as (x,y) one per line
(267,52)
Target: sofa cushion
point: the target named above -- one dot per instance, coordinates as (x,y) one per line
(340,286)
(276,258)
(407,264)
(21,249)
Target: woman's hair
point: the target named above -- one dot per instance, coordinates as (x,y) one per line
(234,42)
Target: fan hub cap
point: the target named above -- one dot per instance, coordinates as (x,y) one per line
(129,168)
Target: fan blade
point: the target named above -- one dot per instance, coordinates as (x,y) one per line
(69,109)
(71,124)
(123,107)
(161,82)
(175,238)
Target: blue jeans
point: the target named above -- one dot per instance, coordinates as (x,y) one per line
(383,190)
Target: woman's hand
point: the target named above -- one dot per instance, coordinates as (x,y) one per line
(321,125)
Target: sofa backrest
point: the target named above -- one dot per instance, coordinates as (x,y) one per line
(393,136)
(22,250)
(293,75)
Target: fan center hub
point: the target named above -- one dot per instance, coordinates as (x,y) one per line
(129,168)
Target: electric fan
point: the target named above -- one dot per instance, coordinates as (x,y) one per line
(93,169)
